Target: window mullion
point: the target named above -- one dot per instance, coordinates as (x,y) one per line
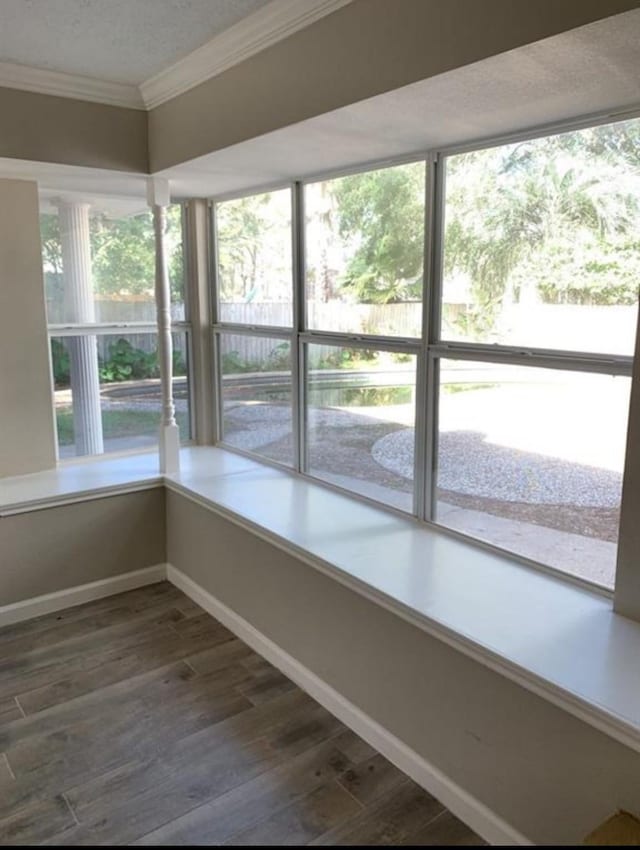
(298,360)
(427,385)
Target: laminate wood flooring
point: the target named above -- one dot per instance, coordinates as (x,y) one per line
(139,719)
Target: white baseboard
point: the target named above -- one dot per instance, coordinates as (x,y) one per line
(474,813)
(49,602)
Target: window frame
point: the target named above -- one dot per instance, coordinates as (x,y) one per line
(430,348)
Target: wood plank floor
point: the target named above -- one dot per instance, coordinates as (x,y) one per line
(139,719)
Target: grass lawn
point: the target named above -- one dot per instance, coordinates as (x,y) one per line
(119,423)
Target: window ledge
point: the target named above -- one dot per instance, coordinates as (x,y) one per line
(74,481)
(558,640)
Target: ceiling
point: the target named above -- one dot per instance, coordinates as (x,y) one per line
(591,70)
(124,41)
(139,53)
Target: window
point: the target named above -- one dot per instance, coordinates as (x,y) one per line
(540,298)
(493,400)
(255,260)
(361,421)
(99,271)
(254,302)
(128,397)
(256,395)
(364,250)
(531,460)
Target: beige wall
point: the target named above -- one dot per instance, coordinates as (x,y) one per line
(27,439)
(58,548)
(549,775)
(363,49)
(74,132)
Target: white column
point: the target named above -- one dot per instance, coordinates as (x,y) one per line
(158,197)
(80,309)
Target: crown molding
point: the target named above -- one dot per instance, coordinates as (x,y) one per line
(256,32)
(42,81)
(265,27)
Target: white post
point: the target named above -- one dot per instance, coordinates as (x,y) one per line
(80,309)
(158,197)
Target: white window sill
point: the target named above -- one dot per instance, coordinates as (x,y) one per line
(73,480)
(558,640)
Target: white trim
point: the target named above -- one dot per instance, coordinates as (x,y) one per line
(264,28)
(58,84)
(26,609)
(474,813)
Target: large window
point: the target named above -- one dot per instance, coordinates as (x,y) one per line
(99,272)
(483,384)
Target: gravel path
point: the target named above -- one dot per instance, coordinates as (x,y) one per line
(467,464)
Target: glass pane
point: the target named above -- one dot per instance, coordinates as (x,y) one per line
(364,252)
(255,259)
(100,267)
(541,242)
(256,395)
(531,460)
(360,421)
(107,392)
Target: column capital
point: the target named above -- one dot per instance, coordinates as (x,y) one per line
(71,203)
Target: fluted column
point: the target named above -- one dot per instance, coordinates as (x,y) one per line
(80,309)
(158,196)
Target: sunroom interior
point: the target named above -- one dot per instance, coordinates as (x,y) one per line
(319,348)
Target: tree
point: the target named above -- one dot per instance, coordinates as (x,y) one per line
(555,218)
(381,215)
(122,253)
(254,248)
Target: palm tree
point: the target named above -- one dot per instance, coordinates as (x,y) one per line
(506,206)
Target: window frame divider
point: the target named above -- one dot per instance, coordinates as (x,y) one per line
(298,350)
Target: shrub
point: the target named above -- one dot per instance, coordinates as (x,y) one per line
(60,363)
(127,363)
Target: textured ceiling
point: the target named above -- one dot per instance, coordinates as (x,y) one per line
(588,70)
(125,41)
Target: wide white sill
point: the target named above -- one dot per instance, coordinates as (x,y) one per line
(559,640)
(72,480)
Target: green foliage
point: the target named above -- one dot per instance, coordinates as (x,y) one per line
(122,253)
(347,358)
(254,247)
(60,363)
(179,363)
(126,363)
(554,218)
(278,359)
(118,424)
(382,214)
